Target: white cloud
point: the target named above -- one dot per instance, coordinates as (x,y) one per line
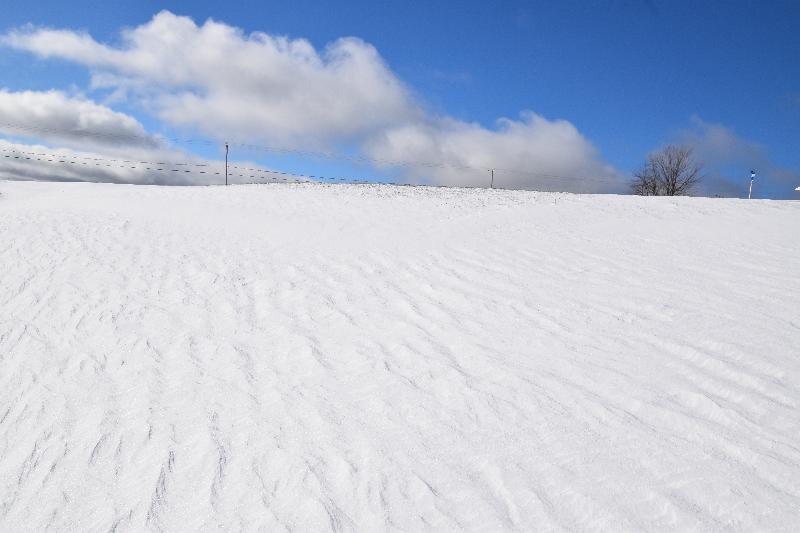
(227,84)
(532,151)
(261,88)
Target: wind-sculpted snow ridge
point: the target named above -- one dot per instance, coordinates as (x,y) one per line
(369,358)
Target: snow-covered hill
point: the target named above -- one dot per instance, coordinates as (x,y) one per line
(368,358)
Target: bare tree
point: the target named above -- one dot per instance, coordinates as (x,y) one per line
(644,181)
(672,171)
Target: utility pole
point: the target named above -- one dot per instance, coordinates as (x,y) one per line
(226,164)
(491,185)
(752,177)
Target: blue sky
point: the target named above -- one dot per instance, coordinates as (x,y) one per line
(628,75)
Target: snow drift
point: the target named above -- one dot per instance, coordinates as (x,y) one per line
(367,358)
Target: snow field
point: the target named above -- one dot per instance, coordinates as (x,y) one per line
(368,358)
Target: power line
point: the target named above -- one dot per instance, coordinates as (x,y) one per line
(256,173)
(309,153)
(313,176)
(61,158)
(259,174)
(407,164)
(100,162)
(247,146)
(136,165)
(192,168)
(80,133)
(163,163)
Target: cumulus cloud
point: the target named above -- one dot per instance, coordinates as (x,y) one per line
(728,159)
(227,84)
(531,150)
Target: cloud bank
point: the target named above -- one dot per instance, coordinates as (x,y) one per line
(218,80)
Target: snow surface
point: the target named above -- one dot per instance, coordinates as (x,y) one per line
(368,358)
